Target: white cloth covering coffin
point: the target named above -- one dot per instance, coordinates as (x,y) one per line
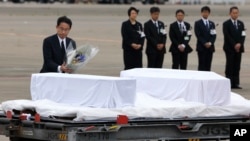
(145,106)
(83,90)
(205,87)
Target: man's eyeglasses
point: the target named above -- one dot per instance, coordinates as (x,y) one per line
(63,29)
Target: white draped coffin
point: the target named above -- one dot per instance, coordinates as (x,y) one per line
(84,90)
(168,84)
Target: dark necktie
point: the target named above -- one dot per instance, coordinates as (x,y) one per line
(157,27)
(235,25)
(207,25)
(63,52)
(180,27)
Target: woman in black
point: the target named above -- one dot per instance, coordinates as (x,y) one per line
(132,40)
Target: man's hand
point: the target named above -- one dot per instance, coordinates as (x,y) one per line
(237,47)
(181,48)
(136,46)
(160,46)
(65,69)
(208,44)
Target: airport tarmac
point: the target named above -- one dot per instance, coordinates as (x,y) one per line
(24,26)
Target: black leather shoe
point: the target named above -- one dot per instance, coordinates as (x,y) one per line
(236,87)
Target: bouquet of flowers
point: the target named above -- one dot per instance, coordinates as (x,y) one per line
(79,57)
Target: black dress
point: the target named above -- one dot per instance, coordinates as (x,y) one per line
(132,33)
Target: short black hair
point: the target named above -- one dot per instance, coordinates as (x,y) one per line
(154,9)
(205,8)
(232,8)
(64,19)
(179,11)
(131,9)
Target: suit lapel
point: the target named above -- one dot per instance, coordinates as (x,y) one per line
(177,27)
(57,47)
(57,43)
(67,42)
(238,25)
(154,27)
(159,25)
(230,25)
(204,26)
(187,27)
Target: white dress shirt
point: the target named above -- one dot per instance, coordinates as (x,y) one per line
(64,42)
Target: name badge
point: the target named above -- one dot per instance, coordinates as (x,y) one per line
(186,38)
(213,32)
(163,31)
(189,32)
(243,33)
(142,34)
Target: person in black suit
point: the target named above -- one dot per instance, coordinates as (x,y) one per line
(234,38)
(132,40)
(54,48)
(206,36)
(180,35)
(156,39)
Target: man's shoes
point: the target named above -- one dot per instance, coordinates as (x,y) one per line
(236,87)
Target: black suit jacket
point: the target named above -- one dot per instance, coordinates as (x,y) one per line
(131,34)
(153,37)
(203,35)
(233,36)
(52,53)
(178,38)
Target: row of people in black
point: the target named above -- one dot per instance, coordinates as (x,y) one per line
(134,35)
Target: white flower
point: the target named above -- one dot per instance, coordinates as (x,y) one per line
(78,58)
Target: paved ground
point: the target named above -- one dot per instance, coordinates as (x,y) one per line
(23,27)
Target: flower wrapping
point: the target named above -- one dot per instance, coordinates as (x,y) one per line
(79,57)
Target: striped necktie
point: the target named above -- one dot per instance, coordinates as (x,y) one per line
(207,25)
(235,25)
(63,52)
(157,26)
(181,28)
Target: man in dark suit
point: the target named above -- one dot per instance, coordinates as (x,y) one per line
(206,36)
(180,35)
(156,39)
(132,40)
(54,48)
(234,38)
